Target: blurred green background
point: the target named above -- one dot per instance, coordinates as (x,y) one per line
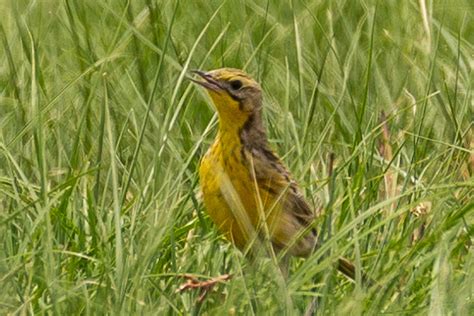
(369,103)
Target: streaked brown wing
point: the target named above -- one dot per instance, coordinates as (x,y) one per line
(272,176)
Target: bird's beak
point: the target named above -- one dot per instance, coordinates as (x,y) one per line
(209,82)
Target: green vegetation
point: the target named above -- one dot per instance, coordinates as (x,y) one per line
(369,103)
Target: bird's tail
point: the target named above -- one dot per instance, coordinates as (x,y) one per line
(348,269)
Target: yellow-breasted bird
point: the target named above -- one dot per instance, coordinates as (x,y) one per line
(247,191)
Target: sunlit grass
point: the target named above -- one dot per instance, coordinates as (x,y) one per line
(369,104)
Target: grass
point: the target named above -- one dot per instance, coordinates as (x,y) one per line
(368,102)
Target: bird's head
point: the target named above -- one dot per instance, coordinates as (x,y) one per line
(236,96)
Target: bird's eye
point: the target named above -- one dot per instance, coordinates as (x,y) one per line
(235,84)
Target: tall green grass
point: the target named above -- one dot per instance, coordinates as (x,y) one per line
(368,102)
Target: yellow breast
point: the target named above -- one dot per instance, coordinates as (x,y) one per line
(231,196)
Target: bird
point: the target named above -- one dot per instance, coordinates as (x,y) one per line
(247,190)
